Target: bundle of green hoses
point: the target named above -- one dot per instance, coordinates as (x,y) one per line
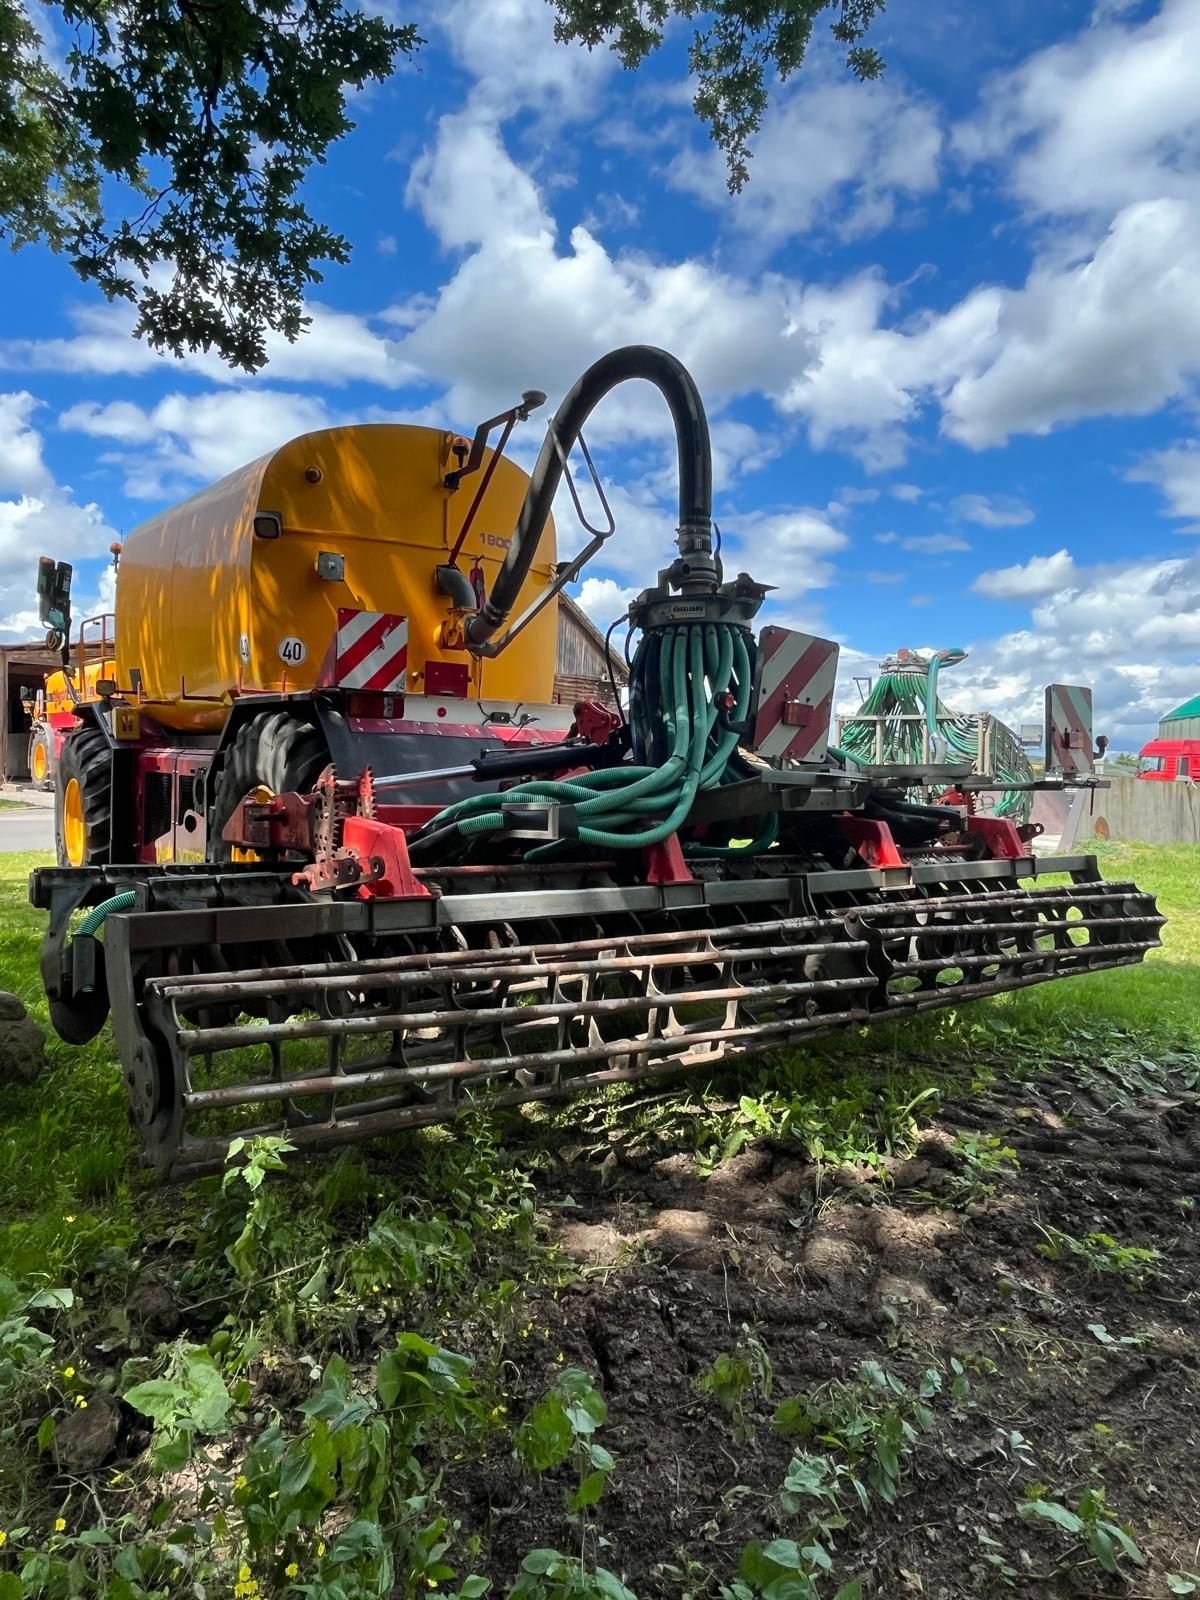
(689,686)
(910,692)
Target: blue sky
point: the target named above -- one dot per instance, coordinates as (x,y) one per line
(949,335)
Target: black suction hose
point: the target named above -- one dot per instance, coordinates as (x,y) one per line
(696,570)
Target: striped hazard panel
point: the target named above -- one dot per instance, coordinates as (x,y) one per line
(796,675)
(371,651)
(1069,730)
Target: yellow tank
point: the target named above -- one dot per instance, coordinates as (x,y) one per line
(59,699)
(207,609)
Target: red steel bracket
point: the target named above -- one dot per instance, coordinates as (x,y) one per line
(665,863)
(872,840)
(1001,837)
(387,851)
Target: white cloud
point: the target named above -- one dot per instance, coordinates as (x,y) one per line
(1102,120)
(1127,630)
(186,439)
(1176,472)
(910,492)
(873,575)
(992,511)
(864,146)
(42,517)
(508,47)
(337,348)
(520,312)
(934,544)
(789,549)
(1116,334)
(605,600)
(1037,576)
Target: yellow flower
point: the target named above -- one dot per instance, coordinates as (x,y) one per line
(69,1219)
(240,1481)
(292,1570)
(68,1372)
(60,1525)
(244,1574)
(431,1582)
(3,1538)
(81,1402)
(320,1547)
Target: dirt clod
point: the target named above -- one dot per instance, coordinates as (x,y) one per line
(85,1439)
(22,1042)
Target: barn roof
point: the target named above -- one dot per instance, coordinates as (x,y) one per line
(1189,708)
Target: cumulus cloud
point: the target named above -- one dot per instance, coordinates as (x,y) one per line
(1101,120)
(604,600)
(165,449)
(1129,630)
(38,516)
(1039,575)
(337,348)
(865,147)
(1176,472)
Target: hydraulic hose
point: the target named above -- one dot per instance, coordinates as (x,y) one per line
(685,741)
(694,534)
(96,916)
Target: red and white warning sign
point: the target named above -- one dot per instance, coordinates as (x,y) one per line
(796,676)
(1069,730)
(371,651)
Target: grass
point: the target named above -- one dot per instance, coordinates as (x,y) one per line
(15,805)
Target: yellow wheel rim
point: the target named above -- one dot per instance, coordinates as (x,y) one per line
(39,763)
(74,826)
(239,852)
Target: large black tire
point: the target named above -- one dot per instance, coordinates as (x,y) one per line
(274,751)
(86,762)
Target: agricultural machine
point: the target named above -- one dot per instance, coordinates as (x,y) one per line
(904,721)
(51,710)
(336,866)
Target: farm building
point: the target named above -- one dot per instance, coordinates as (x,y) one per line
(580,673)
(1183,722)
(23,667)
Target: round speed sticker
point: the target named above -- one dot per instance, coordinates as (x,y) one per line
(293,651)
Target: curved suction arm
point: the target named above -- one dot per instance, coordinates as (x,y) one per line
(695,571)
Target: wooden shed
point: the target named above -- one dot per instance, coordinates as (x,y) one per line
(581,673)
(22,666)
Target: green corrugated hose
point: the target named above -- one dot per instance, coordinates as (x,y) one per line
(679,686)
(897,695)
(95,917)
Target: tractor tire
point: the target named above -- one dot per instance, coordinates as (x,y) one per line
(41,758)
(275,752)
(83,800)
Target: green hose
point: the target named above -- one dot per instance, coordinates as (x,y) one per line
(95,917)
(900,694)
(681,684)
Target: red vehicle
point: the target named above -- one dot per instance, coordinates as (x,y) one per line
(1170,761)
(1173,755)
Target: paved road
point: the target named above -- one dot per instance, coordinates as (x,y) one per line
(30,828)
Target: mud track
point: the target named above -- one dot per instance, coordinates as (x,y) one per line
(911,1265)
